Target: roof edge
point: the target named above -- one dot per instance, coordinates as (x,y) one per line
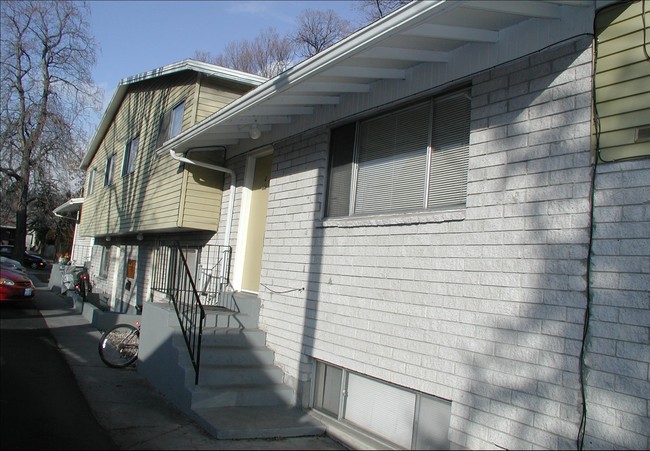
(186,64)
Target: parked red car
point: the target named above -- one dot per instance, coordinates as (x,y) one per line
(15,286)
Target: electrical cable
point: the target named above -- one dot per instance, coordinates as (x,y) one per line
(283,292)
(597,126)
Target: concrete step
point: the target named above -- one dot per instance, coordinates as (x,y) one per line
(258,422)
(231,337)
(235,355)
(244,395)
(230,319)
(239,374)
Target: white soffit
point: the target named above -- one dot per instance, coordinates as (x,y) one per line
(70,207)
(426,32)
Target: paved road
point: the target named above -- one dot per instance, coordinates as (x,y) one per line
(41,403)
(57,394)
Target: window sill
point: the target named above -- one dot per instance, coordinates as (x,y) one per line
(394,219)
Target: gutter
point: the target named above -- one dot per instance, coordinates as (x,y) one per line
(233,185)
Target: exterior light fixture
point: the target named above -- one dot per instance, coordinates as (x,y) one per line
(139,236)
(108,238)
(254,132)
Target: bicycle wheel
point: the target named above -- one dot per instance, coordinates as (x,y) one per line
(118,346)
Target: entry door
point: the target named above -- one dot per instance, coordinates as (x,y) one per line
(256,224)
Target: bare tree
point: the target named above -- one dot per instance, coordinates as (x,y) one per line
(268,55)
(318,30)
(376,9)
(46,88)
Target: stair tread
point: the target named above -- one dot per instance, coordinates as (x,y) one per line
(231,330)
(249,386)
(233,347)
(260,421)
(240,366)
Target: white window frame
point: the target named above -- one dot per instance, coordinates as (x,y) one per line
(104,261)
(390,413)
(90,187)
(413,158)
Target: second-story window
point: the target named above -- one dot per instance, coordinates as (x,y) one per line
(108,173)
(91,182)
(177,120)
(130,154)
(171,123)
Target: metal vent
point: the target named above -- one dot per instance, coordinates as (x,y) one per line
(642,134)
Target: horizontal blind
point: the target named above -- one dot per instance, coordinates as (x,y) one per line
(450,151)
(392,161)
(341,155)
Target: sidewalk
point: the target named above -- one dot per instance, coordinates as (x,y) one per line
(134,414)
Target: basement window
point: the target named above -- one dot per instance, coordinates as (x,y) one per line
(389,412)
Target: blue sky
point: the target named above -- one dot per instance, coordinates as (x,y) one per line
(137,36)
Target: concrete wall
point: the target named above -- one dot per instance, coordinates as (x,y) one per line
(158,359)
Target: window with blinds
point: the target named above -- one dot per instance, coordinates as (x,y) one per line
(410,159)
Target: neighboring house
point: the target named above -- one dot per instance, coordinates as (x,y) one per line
(81,252)
(445,217)
(132,196)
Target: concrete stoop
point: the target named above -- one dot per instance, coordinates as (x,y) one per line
(240,394)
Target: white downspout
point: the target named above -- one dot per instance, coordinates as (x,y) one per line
(231,205)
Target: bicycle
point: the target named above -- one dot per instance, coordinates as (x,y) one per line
(83,286)
(76,280)
(119,345)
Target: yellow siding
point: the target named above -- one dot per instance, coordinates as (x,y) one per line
(146,199)
(622,82)
(201,200)
(215,96)
(158,195)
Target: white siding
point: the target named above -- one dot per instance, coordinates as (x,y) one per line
(484,309)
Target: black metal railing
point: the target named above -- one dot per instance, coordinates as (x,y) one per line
(191,276)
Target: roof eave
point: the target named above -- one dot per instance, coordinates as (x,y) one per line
(71,206)
(122,87)
(362,38)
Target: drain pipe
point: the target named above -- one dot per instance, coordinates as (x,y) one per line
(231,205)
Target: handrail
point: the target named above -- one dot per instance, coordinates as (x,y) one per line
(172,276)
(187,305)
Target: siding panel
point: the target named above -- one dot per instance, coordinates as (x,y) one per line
(153,197)
(621,82)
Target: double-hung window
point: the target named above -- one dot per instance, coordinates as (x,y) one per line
(91,182)
(410,159)
(171,123)
(130,154)
(108,173)
(104,261)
